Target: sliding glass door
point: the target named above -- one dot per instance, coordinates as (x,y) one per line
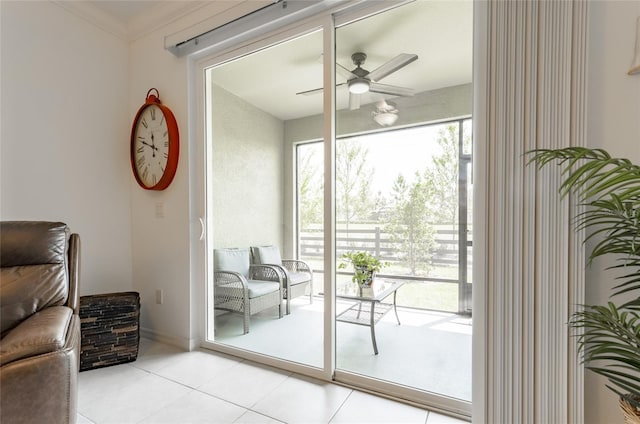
(402,157)
(328,142)
(261,296)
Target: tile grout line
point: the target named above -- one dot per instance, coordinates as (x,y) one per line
(341,405)
(197,389)
(237,361)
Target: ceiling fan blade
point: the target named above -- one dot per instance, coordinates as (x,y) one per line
(394,90)
(354,101)
(317,90)
(391,66)
(310,92)
(344,72)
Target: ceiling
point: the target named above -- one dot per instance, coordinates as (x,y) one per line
(127,10)
(439,32)
(123,11)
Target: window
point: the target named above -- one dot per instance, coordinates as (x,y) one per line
(403,195)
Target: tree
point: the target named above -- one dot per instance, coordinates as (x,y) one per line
(311,186)
(443,176)
(409,224)
(432,198)
(353,173)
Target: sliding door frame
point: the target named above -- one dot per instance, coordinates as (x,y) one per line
(200,143)
(203,141)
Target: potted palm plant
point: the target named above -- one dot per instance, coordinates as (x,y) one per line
(609,189)
(365,267)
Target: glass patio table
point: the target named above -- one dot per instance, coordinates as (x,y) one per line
(368,308)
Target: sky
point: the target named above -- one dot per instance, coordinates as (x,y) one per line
(395,152)
(400,152)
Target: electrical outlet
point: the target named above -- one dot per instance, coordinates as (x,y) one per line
(159,296)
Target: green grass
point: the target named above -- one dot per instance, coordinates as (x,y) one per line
(429,295)
(414,294)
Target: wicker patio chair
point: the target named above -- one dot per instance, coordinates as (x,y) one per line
(242,287)
(296,274)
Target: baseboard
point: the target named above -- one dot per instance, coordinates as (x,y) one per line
(180,342)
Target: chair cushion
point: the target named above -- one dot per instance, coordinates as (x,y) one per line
(299,278)
(266,255)
(236,260)
(33,243)
(43,332)
(34,274)
(25,290)
(260,288)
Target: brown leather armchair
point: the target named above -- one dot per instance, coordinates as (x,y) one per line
(39,322)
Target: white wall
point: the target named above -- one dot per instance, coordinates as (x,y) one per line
(160,246)
(164,248)
(613,124)
(64,143)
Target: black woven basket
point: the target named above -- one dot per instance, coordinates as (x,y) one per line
(109,328)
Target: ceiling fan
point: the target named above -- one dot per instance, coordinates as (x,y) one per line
(360,80)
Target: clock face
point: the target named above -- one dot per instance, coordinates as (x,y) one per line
(151,145)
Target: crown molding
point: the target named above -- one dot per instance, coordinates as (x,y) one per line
(159,15)
(95,16)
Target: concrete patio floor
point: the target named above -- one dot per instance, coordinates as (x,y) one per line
(429,351)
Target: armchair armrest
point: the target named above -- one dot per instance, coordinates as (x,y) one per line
(229,279)
(280,270)
(230,285)
(74,273)
(266,273)
(295,265)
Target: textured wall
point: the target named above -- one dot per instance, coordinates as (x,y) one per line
(247,189)
(429,106)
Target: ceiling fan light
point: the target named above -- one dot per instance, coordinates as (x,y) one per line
(385,119)
(358,85)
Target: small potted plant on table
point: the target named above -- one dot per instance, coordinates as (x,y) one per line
(365,267)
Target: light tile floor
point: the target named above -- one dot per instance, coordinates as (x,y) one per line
(167,385)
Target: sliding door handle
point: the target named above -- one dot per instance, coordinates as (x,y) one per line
(201,228)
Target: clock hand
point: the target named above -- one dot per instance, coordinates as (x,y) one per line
(153,146)
(147,144)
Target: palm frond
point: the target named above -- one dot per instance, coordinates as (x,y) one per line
(609,190)
(591,173)
(611,344)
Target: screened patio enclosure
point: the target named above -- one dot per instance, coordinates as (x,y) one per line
(411,210)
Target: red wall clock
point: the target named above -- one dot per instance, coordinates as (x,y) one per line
(155,144)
